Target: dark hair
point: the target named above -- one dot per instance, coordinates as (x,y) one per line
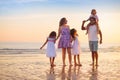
(52,34)
(72,31)
(92,10)
(93,18)
(62,21)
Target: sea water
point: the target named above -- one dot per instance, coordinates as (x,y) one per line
(27,47)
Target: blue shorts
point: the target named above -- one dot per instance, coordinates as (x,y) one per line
(93,45)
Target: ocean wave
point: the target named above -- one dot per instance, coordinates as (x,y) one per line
(18,51)
(38,51)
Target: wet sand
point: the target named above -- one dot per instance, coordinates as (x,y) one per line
(36,67)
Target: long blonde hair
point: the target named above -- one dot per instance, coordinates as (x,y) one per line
(62,21)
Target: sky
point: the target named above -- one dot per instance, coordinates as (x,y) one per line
(33,20)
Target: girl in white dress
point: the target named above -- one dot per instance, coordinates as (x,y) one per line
(51,53)
(75,47)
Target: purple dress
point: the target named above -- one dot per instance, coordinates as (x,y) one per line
(65,40)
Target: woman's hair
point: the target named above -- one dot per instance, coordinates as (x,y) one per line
(72,31)
(52,34)
(62,21)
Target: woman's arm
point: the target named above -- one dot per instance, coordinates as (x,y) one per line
(58,33)
(44,44)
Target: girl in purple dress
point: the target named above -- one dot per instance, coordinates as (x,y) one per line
(65,40)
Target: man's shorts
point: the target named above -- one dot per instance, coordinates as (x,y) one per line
(93,45)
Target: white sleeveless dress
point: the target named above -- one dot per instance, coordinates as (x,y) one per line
(51,48)
(76,47)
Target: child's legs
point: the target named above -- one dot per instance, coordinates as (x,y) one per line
(53,60)
(75,60)
(63,55)
(78,57)
(69,55)
(50,60)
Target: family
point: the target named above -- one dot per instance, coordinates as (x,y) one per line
(69,42)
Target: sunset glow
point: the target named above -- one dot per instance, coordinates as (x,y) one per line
(32,20)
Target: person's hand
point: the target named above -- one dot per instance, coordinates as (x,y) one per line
(84,21)
(41,48)
(55,40)
(100,41)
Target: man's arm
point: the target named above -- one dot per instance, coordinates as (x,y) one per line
(82,27)
(100,33)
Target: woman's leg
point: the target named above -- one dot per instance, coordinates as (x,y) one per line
(63,55)
(69,56)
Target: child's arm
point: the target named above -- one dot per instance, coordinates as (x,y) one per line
(44,44)
(71,39)
(82,27)
(100,33)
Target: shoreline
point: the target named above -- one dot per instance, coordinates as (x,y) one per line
(36,66)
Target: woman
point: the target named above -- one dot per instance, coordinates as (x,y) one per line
(65,40)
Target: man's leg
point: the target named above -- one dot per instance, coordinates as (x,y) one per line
(93,59)
(96,57)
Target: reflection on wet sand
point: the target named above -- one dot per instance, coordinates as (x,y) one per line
(76,73)
(70,73)
(36,67)
(51,74)
(63,74)
(94,73)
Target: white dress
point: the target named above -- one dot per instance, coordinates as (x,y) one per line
(51,48)
(75,47)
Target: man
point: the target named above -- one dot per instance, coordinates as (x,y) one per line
(93,31)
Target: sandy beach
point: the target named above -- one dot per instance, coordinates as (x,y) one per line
(36,67)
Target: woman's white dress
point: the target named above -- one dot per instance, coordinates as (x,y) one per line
(75,47)
(51,48)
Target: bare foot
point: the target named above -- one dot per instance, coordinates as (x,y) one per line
(79,64)
(96,65)
(75,64)
(64,65)
(70,65)
(92,64)
(52,65)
